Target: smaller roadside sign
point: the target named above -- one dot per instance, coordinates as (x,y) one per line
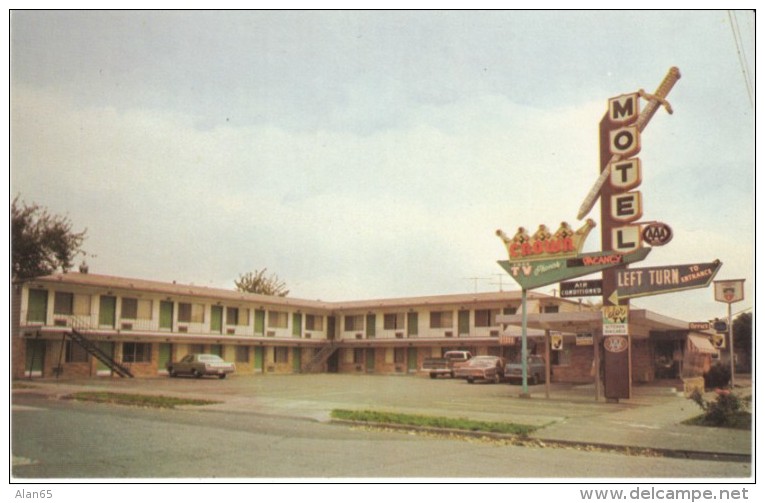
(584,288)
(699,325)
(616,320)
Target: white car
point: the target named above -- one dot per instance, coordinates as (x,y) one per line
(199,365)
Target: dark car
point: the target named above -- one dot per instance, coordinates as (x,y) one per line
(201,364)
(482,368)
(535,369)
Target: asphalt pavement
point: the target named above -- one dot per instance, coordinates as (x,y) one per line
(563,414)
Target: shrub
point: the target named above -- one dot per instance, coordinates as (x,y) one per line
(717,377)
(726,410)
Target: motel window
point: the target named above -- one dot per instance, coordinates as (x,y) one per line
(242,354)
(486,317)
(358,356)
(75,353)
(196,348)
(136,352)
(509,310)
(63,303)
(191,313)
(355,322)
(281,354)
(232,316)
(277,319)
(441,319)
(399,355)
(393,321)
(551,309)
(136,309)
(314,322)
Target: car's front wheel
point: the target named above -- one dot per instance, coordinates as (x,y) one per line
(197,373)
(172,372)
(222,376)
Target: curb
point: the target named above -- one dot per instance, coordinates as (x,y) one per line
(559,444)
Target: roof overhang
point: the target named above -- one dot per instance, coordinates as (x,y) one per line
(641,322)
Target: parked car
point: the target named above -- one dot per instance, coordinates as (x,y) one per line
(447,365)
(199,365)
(535,370)
(483,368)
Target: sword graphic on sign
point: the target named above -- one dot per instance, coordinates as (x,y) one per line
(654,101)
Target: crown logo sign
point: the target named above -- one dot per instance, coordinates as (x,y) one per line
(543,244)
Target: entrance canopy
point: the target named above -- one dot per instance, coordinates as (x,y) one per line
(642,322)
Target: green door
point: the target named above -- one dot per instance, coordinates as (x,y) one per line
(370,357)
(260,322)
(297,324)
(371,328)
(463,323)
(165,355)
(35,356)
(259,358)
(411,359)
(37,310)
(216,319)
(166,314)
(107,311)
(296,359)
(108,348)
(411,324)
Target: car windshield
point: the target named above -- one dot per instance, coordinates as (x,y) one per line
(482,362)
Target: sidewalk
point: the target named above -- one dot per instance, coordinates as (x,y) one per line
(650,420)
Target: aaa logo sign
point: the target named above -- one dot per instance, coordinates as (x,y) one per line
(615,320)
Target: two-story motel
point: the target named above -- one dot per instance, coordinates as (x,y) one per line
(60,321)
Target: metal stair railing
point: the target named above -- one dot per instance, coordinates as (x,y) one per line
(97,352)
(320,357)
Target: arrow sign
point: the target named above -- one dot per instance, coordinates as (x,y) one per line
(545,272)
(645,281)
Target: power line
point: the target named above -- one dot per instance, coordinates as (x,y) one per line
(741,56)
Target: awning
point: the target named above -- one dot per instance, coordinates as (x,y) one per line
(700,344)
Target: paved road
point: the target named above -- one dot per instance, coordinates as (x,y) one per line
(257,434)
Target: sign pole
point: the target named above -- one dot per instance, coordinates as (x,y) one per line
(524,345)
(732,352)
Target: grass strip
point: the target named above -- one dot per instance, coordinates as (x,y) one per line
(157,401)
(370,416)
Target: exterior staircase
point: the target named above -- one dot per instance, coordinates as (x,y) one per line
(316,364)
(97,352)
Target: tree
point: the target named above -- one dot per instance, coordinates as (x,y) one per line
(41,242)
(258,282)
(742,338)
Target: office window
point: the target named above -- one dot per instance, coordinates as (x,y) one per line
(441,319)
(314,322)
(277,319)
(136,352)
(393,321)
(191,313)
(486,317)
(355,322)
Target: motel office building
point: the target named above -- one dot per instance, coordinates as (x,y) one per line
(142,325)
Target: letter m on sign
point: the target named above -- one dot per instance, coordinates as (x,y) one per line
(623,109)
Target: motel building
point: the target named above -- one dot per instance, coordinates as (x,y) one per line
(62,321)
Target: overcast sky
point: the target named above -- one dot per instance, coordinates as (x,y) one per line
(373,154)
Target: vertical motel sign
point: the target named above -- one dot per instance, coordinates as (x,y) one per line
(621,207)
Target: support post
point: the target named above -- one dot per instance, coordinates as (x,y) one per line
(524,346)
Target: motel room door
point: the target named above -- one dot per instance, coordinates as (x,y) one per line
(101,368)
